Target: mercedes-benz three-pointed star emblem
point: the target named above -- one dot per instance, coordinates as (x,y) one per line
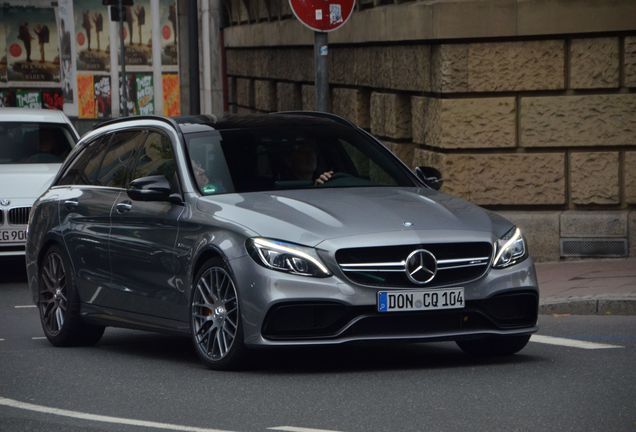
(420,266)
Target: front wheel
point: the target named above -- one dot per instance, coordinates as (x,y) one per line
(491,346)
(216,327)
(59,303)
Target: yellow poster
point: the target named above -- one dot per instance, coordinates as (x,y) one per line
(171,95)
(86,92)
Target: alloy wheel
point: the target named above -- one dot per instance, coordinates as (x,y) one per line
(53,293)
(215,314)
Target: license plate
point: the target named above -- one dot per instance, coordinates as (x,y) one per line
(420,300)
(13,236)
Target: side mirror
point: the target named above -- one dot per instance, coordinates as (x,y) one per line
(151,188)
(430,176)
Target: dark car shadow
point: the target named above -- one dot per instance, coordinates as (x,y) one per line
(374,357)
(307,360)
(13,269)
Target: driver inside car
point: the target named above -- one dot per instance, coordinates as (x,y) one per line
(303,163)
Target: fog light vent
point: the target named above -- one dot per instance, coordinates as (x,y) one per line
(593,247)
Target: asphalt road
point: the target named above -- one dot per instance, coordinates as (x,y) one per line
(134,376)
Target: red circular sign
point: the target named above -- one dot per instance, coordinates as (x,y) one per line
(165,32)
(323,15)
(15,50)
(81,39)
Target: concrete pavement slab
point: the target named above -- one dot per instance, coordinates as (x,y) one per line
(588,287)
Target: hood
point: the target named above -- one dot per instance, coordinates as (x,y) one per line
(312,216)
(26,181)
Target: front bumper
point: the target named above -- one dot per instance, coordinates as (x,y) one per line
(283,309)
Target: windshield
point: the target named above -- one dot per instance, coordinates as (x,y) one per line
(28,143)
(262,159)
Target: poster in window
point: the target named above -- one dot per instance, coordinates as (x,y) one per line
(7,98)
(92,35)
(53,99)
(65,28)
(141,97)
(102,96)
(171,95)
(27,98)
(131,82)
(86,96)
(138,33)
(3,51)
(169,32)
(32,45)
(145,94)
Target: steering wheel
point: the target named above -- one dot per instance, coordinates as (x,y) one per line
(337,179)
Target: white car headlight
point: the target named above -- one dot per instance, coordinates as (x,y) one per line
(510,249)
(286,257)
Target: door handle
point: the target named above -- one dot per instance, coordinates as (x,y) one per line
(123,207)
(71,204)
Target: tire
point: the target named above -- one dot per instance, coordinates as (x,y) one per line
(492,346)
(59,304)
(216,326)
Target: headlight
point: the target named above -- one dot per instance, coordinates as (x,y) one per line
(286,257)
(511,249)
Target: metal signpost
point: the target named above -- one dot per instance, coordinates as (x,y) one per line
(322,16)
(117,14)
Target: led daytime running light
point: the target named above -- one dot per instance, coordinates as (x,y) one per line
(516,236)
(281,248)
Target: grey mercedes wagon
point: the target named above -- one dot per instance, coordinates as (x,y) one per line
(269,230)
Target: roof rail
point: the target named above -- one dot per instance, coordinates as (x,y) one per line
(208,119)
(144,117)
(320,114)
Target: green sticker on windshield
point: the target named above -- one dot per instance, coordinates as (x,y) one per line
(209,188)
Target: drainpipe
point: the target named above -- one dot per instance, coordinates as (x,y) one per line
(193,57)
(207,68)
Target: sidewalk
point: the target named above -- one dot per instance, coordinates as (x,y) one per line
(590,287)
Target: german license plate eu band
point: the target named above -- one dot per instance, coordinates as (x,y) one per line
(420,300)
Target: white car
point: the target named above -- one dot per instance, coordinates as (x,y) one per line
(33,145)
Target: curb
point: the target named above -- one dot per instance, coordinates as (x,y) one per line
(589,306)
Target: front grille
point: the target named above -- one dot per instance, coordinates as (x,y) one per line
(457,263)
(19,215)
(1,217)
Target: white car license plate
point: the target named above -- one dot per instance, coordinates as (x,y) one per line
(13,236)
(420,300)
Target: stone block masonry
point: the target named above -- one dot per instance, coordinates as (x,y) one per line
(594,178)
(524,113)
(469,123)
(594,63)
(574,121)
(501,178)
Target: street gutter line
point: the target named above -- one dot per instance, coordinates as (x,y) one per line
(100,418)
(298,429)
(572,343)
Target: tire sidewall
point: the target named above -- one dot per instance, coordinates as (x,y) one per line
(71,316)
(233,359)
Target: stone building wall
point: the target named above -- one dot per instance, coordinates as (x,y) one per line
(527,111)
